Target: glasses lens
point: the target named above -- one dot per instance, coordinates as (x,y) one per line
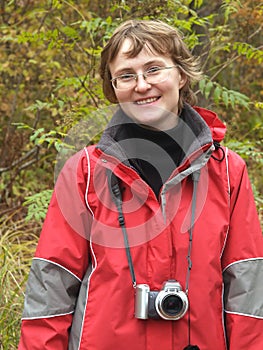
(153,76)
(157,76)
(124,82)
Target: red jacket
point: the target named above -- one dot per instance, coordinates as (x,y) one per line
(80,293)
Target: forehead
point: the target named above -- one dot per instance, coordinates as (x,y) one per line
(147,54)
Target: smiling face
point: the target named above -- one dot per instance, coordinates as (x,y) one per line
(152,105)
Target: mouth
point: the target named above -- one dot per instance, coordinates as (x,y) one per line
(147,101)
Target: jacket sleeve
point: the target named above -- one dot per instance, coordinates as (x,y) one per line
(243,264)
(59,264)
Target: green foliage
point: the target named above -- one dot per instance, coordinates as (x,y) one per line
(37,205)
(38,137)
(222,95)
(230,7)
(250,151)
(17,246)
(247,149)
(248,51)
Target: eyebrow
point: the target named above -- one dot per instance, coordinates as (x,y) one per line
(145,65)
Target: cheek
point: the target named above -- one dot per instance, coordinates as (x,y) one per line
(172,91)
(123,96)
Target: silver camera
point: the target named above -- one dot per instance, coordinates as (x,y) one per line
(170,303)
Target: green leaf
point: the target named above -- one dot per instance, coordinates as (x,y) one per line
(208,88)
(202,84)
(225,97)
(217,94)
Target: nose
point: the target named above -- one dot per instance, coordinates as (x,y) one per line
(141,84)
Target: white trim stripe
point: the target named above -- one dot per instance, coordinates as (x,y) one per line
(228,177)
(240,261)
(228,189)
(47,316)
(61,266)
(88,182)
(242,314)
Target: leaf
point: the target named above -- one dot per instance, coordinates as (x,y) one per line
(232,100)
(225,97)
(70,32)
(36,134)
(202,84)
(208,88)
(217,94)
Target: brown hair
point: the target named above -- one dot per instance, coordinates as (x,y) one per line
(159,37)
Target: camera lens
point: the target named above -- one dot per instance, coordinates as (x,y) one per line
(172,305)
(171,302)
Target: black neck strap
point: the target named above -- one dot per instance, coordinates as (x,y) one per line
(117,198)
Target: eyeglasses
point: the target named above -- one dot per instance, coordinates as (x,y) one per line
(153,75)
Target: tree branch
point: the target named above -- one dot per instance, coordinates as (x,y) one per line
(33,152)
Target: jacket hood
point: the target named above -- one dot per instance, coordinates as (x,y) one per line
(204,123)
(217,127)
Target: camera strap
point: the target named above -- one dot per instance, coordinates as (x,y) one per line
(195,178)
(117,198)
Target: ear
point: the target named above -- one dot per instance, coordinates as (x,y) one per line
(182,80)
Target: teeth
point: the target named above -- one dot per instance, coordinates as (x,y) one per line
(148,100)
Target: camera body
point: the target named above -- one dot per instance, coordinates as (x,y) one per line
(170,303)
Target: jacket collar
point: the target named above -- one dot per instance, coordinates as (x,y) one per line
(204,123)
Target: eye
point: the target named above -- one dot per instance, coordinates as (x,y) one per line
(154,70)
(126,77)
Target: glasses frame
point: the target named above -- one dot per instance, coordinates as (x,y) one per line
(135,77)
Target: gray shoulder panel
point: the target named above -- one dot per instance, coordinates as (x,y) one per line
(243,293)
(51,290)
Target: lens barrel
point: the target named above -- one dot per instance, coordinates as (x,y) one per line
(171,302)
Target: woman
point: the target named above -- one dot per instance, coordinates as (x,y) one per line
(151,240)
